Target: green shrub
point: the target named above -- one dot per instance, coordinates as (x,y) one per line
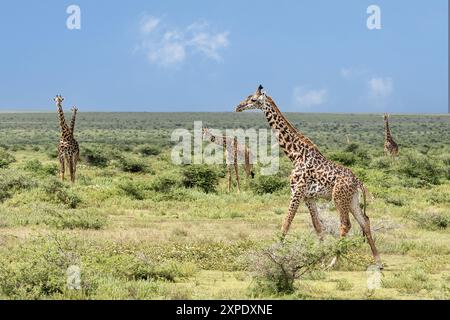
(200,176)
(381,163)
(276,267)
(165,183)
(411,281)
(420,167)
(343,285)
(39,270)
(344,158)
(352,147)
(132,189)
(95,157)
(37,167)
(268,184)
(59,192)
(432,220)
(78,219)
(149,150)
(133,165)
(6,159)
(12,181)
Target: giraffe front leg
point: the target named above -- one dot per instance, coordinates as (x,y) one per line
(317,224)
(296,197)
(236,171)
(62,167)
(229,177)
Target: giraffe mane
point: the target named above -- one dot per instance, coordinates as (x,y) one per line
(304,138)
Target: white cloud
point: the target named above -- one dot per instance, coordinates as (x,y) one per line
(352,72)
(309,98)
(169,46)
(148,24)
(381,87)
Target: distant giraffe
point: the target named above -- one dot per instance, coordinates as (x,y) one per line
(390,146)
(313,176)
(233,152)
(72,121)
(349,141)
(68,149)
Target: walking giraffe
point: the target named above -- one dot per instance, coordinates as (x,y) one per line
(313,176)
(233,152)
(68,149)
(390,146)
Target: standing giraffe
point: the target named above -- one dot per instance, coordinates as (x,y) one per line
(313,176)
(68,150)
(233,152)
(390,146)
(349,141)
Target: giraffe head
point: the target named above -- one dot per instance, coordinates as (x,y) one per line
(386,116)
(205,132)
(253,101)
(58,99)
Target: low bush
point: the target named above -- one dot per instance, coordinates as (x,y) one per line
(432,220)
(276,267)
(12,181)
(59,192)
(133,165)
(38,168)
(421,168)
(344,158)
(148,150)
(6,158)
(165,183)
(268,184)
(132,189)
(39,269)
(78,219)
(95,157)
(200,176)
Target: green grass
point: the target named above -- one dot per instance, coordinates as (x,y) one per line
(140,227)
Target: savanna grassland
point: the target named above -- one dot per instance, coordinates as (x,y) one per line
(141,227)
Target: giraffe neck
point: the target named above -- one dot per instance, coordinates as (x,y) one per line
(295,145)
(219,140)
(65,131)
(387,130)
(72,121)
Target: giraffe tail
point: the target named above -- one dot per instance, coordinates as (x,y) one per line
(366,195)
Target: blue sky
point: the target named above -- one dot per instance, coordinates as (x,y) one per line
(311,56)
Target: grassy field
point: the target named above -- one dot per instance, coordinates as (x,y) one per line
(140,227)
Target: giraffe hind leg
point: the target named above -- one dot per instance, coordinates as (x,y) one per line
(72,174)
(342,201)
(364,222)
